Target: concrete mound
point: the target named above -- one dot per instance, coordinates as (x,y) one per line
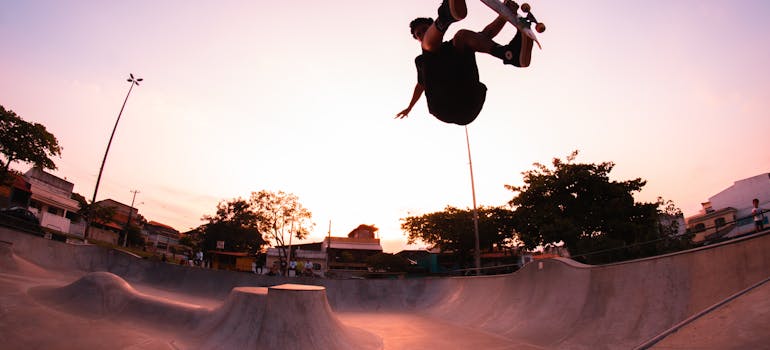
(236,323)
(281,317)
(299,317)
(104,295)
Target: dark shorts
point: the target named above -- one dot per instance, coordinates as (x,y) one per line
(452,87)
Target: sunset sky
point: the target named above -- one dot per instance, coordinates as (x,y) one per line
(299,96)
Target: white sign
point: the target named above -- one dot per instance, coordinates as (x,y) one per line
(220,244)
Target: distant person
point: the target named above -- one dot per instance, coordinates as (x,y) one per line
(260,261)
(273,271)
(759,216)
(300,268)
(163,258)
(199,257)
(293,267)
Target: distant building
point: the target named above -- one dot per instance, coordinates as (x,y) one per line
(110,230)
(15,191)
(315,253)
(728,213)
(347,255)
(712,224)
(231,261)
(160,237)
(51,200)
(340,256)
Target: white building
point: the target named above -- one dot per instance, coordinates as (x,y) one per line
(739,196)
(51,199)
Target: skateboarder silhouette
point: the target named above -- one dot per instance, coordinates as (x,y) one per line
(446,70)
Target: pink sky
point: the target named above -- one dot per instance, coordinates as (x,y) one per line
(241,96)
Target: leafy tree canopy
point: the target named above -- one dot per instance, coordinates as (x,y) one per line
(280,215)
(452,229)
(235,223)
(578,204)
(94,212)
(26,142)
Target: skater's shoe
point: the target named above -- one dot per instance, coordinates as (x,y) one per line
(445,17)
(512,5)
(512,52)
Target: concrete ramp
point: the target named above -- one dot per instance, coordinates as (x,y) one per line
(740,322)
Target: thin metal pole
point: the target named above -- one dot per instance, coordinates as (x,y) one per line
(477,251)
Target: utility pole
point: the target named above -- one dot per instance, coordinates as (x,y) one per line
(128,222)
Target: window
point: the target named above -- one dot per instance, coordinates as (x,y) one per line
(700,227)
(719,222)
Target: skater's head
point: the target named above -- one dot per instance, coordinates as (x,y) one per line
(419,26)
(755,202)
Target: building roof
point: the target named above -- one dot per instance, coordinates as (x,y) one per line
(713,214)
(20,183)
(157,224)
(41,194)
(238,254)
(353,243)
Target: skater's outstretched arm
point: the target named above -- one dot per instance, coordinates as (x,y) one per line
(418,90)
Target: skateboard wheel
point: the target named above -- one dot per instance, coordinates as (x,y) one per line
(525,7)
(540,27)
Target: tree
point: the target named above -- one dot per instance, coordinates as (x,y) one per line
(91,212)
(386,262)
(278,214)
(578,205)
(26,142)
(452,230)
(235,223)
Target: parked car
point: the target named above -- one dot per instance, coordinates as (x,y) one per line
(21,218)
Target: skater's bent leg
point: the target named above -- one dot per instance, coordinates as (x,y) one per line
(458,8)
(494,28)
(432,39)
(450,11)
(473,41)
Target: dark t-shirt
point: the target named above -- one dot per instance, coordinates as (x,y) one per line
(451,81)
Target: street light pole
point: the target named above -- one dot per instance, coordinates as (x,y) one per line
(133,81)
(477,252)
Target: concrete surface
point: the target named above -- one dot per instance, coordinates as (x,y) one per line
(56,295)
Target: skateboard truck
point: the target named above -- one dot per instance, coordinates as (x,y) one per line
(530,18)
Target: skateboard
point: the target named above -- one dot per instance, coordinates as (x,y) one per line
(522,23)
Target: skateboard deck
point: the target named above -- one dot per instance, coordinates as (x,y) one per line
(522,23)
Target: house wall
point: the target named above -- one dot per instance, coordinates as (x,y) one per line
(317,258)
(78,228)
(710,223)
(102,235)
(54,222)
(51,199)
(740,195)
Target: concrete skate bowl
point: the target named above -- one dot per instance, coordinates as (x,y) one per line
(553,304)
